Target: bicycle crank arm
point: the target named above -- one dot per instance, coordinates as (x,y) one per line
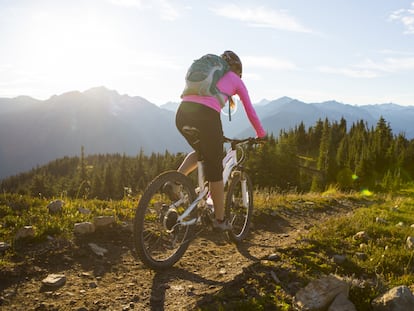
(191,207)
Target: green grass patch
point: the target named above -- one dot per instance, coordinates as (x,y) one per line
(383,256)
(380,261)
(17,211)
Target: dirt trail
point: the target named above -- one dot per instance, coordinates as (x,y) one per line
(119,281)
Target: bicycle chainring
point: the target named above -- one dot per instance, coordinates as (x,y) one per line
(170,218)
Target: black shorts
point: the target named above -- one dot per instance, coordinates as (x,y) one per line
(208,122)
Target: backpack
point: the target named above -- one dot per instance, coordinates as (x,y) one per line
(203,75)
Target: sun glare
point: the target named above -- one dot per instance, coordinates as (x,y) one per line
(71,52)
(62,50)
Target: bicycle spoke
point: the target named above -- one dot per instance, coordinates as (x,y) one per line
(238,214)
(160,239)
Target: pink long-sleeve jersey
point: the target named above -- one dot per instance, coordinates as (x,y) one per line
(231,84)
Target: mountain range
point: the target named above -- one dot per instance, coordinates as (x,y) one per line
(34,132)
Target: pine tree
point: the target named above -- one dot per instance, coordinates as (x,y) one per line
(39,186)
(301,139)
(287,166)
(97,190)
(382,141)
(319,182)
(108,188)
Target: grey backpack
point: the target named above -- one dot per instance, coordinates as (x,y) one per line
(203,75)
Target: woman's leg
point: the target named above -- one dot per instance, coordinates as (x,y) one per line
(189,164)
(216,187)
(217,194)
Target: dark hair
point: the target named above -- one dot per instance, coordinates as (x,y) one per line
(234,62)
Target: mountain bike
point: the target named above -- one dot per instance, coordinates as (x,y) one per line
(165,226)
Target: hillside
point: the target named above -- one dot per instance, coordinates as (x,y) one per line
(34,132)
(100,120)
(294,239)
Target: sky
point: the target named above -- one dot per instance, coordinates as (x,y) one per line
(352,51)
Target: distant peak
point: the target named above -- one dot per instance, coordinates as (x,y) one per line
(25,98)
(332,102)
(100,90)
(263,102)
(283,100)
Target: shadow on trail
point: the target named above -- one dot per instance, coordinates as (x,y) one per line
(244,249)
(161,280)
(275,224)
(33,259)
(161,283)
(262,223)
(116,242)
(270,233)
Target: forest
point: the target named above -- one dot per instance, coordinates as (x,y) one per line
(327,154)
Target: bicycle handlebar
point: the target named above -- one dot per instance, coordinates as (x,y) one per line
(249,140)
(236,144)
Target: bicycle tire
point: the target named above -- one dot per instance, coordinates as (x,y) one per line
(154,217)
(237,214)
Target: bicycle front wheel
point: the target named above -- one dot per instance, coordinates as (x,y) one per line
(160,240)
(239,205)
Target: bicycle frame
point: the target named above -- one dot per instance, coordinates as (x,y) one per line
(165,223)
(229,162)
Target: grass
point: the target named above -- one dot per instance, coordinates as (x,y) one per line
(371,266)
(380,262)
(17,211)
(386,261)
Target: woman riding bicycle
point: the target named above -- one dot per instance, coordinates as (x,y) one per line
(203,113)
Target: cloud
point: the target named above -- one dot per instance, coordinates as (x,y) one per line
(406,17)
(268,62)
(349,72)
(394,52)
(373,69)
(169,11)
(261,17)
(390,65)
(144,60)
(165,8)
(252,76)
(128,3)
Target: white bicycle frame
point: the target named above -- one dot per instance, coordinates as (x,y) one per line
(229,162)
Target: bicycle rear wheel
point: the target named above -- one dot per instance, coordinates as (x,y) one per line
(239,211)
(159,240)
